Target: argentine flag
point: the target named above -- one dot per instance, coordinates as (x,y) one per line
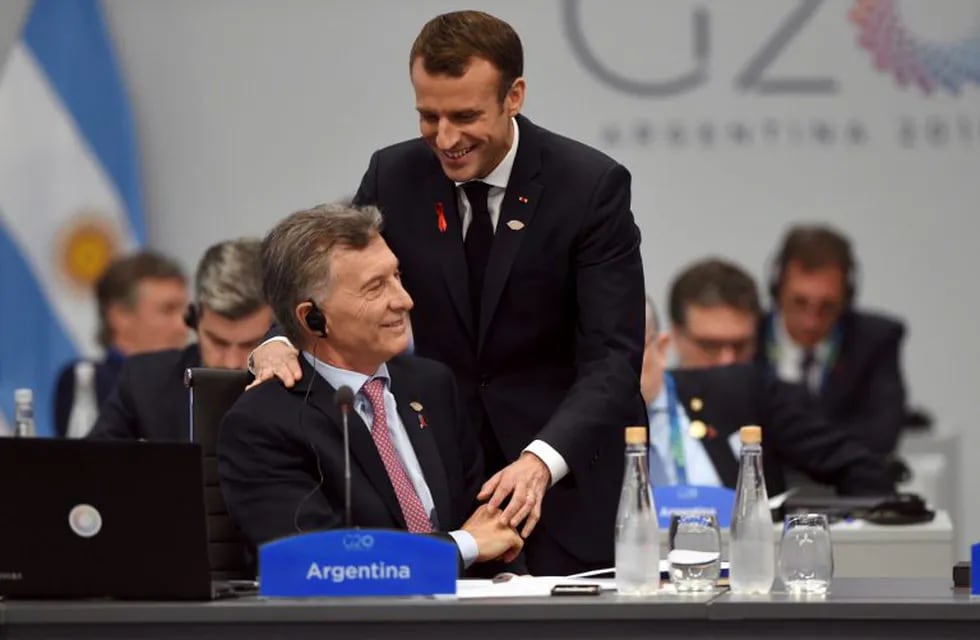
(69,194)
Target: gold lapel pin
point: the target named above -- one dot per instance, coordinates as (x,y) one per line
(697,404)
(697,430)
(515,225)
(415,405)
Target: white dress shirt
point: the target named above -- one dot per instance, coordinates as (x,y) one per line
(337,378)
(789,365)
(497,179)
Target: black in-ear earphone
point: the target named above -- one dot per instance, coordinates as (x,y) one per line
(191,316)
(315,320)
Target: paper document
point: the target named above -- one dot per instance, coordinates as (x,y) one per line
(523,586)
(532,586)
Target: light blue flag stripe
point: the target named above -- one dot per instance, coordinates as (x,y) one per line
(70,40)
(33,344)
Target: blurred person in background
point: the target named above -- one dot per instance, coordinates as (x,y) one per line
(847,359)
(714,314)
(230,317)
(695,415)
(141,300)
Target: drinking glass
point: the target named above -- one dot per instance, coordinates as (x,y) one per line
(806,558)
(694,550)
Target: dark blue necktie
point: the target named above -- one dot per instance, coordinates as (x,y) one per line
(806,365)
(479,238)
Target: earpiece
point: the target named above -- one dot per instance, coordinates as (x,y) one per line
(315,321)
(191,317)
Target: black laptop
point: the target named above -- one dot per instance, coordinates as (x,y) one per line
(102,519)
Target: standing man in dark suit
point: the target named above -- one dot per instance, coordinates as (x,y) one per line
(695,415)
(521,253)
(141,298)
(230,316)
(336,291)
(847,359)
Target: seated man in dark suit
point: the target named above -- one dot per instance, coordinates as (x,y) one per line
(141,298)
(848,360)
(415,462)
(230,316)
(695,415)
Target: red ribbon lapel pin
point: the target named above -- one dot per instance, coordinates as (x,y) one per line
(441,218)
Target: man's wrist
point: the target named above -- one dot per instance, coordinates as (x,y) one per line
(251,356)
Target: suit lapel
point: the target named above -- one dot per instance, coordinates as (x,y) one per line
(448,244)
(362,449)
(518,207)
(423,441)
(713,415)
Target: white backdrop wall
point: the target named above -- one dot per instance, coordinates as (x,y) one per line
(249,109)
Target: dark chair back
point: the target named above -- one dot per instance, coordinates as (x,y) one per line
(212,392)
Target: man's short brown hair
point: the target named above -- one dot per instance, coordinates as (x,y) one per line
(712,283)
(119,283)
(816,247)
(448,43)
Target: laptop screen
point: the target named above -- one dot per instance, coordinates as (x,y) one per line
(102,519)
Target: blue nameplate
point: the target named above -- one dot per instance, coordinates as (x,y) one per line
(358,562)
(975,569)
(681,498)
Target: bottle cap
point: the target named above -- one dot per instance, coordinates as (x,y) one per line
(636,435)
(750,435)
(23,395)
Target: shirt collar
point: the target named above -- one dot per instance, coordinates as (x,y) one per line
(659,403)
(337,377)
(793,350)
(500,176)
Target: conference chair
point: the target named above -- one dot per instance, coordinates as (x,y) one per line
(212,392)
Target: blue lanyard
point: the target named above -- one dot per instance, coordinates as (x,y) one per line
(676,436)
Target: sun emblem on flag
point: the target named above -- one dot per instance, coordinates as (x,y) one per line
(88,244)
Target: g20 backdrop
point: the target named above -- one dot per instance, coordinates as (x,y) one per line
(735,118)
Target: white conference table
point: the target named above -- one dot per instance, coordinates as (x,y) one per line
(865,550)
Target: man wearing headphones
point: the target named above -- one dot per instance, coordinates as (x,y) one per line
(847,359)
(415,463)
(230,317)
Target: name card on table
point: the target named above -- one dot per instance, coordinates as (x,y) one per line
(686,498)
(358,562)
(975,569)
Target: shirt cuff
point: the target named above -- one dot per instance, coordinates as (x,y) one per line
(467,546)
(551,458)
(251,362)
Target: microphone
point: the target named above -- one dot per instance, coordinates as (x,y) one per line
(344,398)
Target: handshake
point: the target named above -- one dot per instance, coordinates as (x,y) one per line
(495,538)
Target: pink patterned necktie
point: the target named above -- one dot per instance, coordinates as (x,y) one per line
(415,515)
